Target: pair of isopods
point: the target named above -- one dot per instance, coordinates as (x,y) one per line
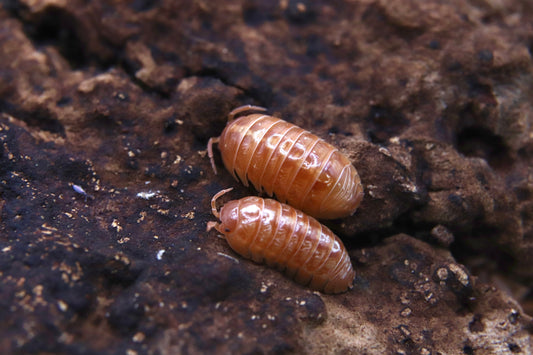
(305,172)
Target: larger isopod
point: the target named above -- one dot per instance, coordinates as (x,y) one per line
(287,239)
(289,162)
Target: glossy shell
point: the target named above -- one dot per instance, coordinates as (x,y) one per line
(296,166)
(277,234)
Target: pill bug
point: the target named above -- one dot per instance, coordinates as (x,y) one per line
(287,239)
(284,160)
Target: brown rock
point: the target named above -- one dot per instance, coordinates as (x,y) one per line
(105,112)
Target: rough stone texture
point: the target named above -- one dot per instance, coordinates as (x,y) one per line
(430,99)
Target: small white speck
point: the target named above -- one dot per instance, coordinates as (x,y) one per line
(384,151)
(63,306)
(79,189)
(139,337)
(147,194)
(395,140)
(229,257)
(264,287)
(160,254)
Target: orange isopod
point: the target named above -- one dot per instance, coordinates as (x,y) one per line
(289,162)
(287,239)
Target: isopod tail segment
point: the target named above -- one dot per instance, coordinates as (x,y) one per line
(231,117)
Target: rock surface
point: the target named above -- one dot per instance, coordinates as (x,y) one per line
(105,186)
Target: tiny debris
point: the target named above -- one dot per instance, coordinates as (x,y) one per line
(264,287)
(160,254)
(384,151)
(202,153)
(62,305)
(442,273)
(460,274)
(115,224)
(229,257)
(146,195)
(405,331)
(81,191)
(138,337)
(406,312)
(394,140)
(441,235)
(188,215)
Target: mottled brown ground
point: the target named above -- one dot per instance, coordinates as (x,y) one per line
(431,100)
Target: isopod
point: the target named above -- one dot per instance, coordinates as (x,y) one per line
(267,231)
(289,162)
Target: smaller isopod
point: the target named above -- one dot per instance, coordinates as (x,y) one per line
(270,232)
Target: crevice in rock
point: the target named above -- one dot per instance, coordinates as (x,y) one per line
(37,118)
(475,141)
(56,27)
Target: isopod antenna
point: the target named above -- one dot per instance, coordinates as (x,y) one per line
(244,108)
(214,211)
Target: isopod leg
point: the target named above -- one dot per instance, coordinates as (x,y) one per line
(212,140)
(216,226)
(211,225)
(244,108)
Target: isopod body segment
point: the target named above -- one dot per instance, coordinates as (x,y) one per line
(285,238)
(289,162)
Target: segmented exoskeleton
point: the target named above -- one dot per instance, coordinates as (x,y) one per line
(285,238)
(289,162)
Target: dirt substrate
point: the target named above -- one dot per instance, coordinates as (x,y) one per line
(106,108)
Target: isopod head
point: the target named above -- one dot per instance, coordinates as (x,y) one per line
(229,218)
